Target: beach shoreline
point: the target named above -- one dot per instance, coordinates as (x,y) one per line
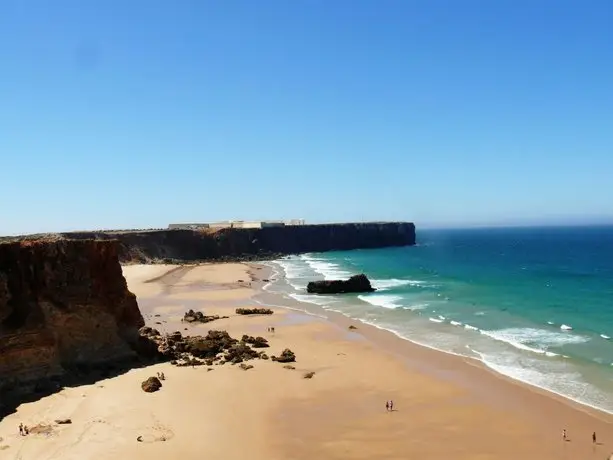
(445,406)
(392,341)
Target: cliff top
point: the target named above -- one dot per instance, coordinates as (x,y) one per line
(53,236)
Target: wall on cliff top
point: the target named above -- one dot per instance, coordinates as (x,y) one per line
(63,304)
(192,245)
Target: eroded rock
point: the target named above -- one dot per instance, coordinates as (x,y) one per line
(257,342)
(151,385)
(287,356)
(198,317)
(254,311)
(357,283)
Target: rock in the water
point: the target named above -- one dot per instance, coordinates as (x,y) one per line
(357,283)
(151,384)
(287,356)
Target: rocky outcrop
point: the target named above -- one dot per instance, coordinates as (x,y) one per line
(199,317)
(250,244)
(287,356)
(64,309)
(254,311)
(151,385)
(217,347)
(256,342)
(357,283)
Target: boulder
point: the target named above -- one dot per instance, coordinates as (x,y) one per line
(287,356)
(151,384)
(257,342)
(357,283)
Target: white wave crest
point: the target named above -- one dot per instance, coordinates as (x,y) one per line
(382,300)
(534,340)
(329,270)
(564,327)
(417,306)
(315,300)
(391,283)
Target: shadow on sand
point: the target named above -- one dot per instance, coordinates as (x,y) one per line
(11,397)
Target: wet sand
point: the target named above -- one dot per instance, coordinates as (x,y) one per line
(445,406)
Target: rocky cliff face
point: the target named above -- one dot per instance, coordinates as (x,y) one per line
(64,305)
(189,245)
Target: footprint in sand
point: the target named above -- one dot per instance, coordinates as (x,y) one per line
(157,433)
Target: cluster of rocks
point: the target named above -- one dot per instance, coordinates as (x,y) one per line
(198,317)
(216,348)
(254,311)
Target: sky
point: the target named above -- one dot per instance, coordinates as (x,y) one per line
(136,114)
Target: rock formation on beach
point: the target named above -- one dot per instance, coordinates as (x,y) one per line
(151,385)
(357,283)
(254,311)
(198,317)
(65,308)
(242,244)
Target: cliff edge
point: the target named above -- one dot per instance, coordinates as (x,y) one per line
(64,307)
(255,243)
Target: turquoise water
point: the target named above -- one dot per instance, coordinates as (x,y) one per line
(533,304)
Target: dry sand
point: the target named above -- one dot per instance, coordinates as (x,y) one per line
(446,407)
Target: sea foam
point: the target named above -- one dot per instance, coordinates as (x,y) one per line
(382,300)
(534,340)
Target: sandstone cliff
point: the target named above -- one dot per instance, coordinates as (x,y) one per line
(64,306)
(234,243)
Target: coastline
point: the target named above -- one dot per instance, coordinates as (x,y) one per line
(375,331)
(447,406)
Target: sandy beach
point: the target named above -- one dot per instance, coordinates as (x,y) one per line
(444,406)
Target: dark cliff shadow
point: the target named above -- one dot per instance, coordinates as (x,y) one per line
(13,396)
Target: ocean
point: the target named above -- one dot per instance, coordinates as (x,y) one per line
(534,304)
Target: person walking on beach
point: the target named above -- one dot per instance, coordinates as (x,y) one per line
(594,437)
(21,429)
(387,406)
(391,406)
(564,437)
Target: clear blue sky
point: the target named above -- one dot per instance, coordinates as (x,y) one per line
(131,114)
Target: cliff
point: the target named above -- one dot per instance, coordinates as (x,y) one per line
(64,307)
(235,243)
